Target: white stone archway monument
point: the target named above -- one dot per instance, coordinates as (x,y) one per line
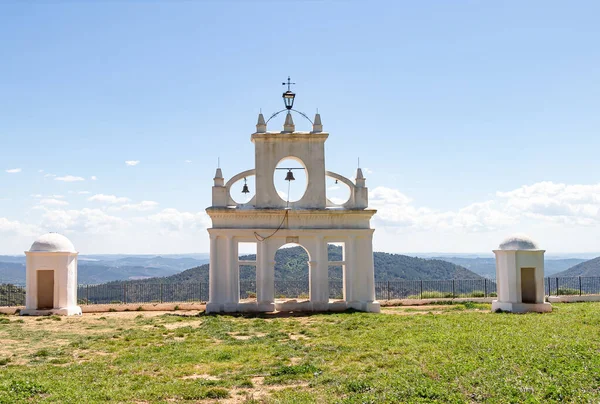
(271,222)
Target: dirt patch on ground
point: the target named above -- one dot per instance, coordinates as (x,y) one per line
(423,307)
(259,392)
(297,337)
(245,337)
(135,313)
(202,376)
(174,326)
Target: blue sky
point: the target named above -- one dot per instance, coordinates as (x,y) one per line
(473,119)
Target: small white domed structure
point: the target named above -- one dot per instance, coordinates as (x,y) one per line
(520,276)
(52,242)
(518,242)
(51,277)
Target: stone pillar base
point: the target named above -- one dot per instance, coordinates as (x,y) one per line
(293,305)
(371,307)
(213,308)
(521,307)
(320,306)
(63,311)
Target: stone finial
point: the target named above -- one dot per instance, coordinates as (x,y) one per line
(219,180)
(317,125)
(360,179)
(289,126)
(261,125)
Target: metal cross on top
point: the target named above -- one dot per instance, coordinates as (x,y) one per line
(289,83)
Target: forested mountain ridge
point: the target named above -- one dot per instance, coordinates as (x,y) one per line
(487,266)
(586,268)
(291,265)
(92,270)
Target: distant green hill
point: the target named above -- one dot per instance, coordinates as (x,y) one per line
(586,268)
(487,266)
(291,265)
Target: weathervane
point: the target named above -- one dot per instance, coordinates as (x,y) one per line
(288,100)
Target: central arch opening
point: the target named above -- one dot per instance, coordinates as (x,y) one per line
(290,191)
(291,272)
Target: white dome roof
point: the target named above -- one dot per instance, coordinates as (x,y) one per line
(52,242)
(518,242)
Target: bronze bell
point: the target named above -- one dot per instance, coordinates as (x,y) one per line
(289,176)
(245,189)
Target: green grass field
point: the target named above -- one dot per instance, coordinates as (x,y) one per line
(459,353)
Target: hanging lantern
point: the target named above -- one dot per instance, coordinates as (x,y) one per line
(290,176)
(288,96)
(245,189)
(288,99)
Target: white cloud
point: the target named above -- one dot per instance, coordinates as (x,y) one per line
(94,221)
(132,162)
(93,178)
(544,202)
(140,207)
(40,171)
(398,210)
(18,228)
(577,204)
(173,221)
(13,170)
(69,178)
(187,161)
(49,175)
(83,192)
(53,202)
(108,198)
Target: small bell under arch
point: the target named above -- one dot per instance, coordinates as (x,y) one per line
(290,176)
(245,189)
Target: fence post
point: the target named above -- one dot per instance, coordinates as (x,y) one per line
(124,293)
(421,297)
(453,294)
(557,292)
(87,294)
(484,287)
(580,286)
(161,292)
(388,290)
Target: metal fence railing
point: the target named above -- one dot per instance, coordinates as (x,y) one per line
(581,285)
(132,292)
(11,295)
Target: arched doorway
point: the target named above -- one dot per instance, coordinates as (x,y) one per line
(292,272)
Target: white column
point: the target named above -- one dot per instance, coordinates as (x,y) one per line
(366,269)
(350,268)
(232,276)
(265,278)
(318,279)
(212,271)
